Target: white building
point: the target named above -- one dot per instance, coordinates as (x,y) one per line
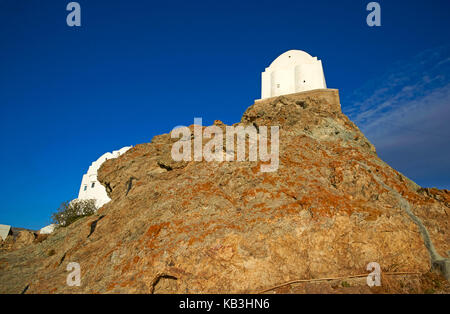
(5,230)
(293,72)
(90,187)
(48,229)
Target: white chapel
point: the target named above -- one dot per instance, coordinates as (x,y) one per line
(292,72)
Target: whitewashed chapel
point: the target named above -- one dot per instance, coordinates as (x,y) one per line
(292,72)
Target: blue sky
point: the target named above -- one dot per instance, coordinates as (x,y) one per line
(135,69)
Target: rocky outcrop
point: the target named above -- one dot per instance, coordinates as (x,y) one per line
(226,227)
(17,240)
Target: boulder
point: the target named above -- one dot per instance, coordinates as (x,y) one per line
(24,238)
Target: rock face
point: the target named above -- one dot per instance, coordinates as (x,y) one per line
(17,240)
(225,227)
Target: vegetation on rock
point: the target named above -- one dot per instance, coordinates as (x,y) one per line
(69,212)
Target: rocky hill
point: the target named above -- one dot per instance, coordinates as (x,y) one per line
(226,227)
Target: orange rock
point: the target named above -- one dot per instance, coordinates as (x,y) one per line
(206,227)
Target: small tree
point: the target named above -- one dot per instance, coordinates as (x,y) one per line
(69,212)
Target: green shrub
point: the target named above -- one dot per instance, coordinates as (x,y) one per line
(345,284)
(69,212)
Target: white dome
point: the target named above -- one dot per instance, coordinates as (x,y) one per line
(292,58)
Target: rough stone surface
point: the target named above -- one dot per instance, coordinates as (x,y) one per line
(23,239)
(206,227)
(17,240)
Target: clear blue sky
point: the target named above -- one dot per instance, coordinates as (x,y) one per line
(137,68)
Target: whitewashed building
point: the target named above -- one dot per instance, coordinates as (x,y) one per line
(48,229)
(5,230)
(292,72)
(90,187)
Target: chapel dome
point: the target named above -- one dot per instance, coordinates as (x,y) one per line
(292,57)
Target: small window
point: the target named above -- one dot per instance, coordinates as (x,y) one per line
(85,188)
(278,85)
(304,81)
(93,184)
